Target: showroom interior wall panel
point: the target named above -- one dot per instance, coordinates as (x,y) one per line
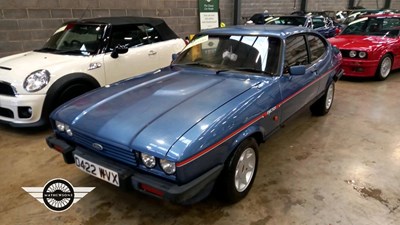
(372,4)
(249,7)
(27,24)
(395,4)
(317,5)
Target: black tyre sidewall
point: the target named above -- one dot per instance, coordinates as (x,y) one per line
(319,107)
(226,186)
(378,70)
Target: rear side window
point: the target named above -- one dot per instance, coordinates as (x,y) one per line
(317,47)
(133,35)
(295,52)
(151,34)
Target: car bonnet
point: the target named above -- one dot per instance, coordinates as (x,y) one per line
(358,42)
(14,69)
(151,115)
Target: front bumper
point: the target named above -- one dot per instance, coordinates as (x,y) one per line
(131,178)
(14,110)
(359,68)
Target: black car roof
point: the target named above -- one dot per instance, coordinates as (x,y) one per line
(159,24)
(123,20)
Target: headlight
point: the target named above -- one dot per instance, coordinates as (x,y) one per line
(362,54)
(60,126)
(168,166)
(148,160)
(352,54)
(36,80)
(68,130)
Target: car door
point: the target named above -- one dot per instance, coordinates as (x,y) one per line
(297,90)
(396,50)
(319,61)
(141,56)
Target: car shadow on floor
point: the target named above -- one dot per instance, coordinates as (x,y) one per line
(368,79)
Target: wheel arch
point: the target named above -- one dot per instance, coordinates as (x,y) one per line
(56,89)
(255,132)
(378,75)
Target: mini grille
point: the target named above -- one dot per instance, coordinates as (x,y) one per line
(6,89)
(6,113)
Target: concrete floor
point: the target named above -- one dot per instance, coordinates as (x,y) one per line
(343,168)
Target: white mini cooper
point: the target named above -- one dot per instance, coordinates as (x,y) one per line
(80,56)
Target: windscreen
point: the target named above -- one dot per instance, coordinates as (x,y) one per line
(374,26)
(246,53)
(74,38)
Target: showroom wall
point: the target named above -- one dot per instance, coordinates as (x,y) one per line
(26,24)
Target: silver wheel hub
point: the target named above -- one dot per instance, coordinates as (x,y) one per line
(385,67)
(245,169)
(329,97)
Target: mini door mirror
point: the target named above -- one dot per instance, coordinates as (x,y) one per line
(297,70)
(119,49)
(174,56)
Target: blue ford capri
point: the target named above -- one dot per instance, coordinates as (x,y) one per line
(181,131)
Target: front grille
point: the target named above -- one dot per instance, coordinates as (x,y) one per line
(345,53)
(110,151)
(6,113)
(6,89)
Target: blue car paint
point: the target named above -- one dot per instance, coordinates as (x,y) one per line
(192,115)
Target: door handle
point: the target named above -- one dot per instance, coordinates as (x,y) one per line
(151,52)
(314,70)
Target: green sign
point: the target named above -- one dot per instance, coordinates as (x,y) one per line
(209,17)
(208,5)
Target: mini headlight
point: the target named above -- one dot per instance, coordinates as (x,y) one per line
(352,54)
(362,54)
(148,160)
(36,80)
(168,166)
(60,126)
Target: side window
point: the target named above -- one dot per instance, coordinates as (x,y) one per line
(317,47)
(317,23)
(295,52)
(127,35)
(151,34)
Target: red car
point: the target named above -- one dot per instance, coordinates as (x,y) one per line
(370,46)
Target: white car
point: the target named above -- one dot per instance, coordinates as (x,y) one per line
(80,56)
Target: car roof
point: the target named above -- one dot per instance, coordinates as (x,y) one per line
(395,15)
(281,31)
(123,20)
(160,25)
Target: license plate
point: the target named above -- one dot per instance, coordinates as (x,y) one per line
(97,170)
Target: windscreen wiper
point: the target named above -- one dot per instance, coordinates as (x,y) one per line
(197,64)
(45,49)
(246,69)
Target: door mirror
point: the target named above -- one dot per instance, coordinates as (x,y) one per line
(119,49)
(335,50)
(174,56)
(297,70)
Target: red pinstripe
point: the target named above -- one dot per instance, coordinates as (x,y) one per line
(263,115)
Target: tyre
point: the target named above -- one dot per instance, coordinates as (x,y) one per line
(59,97)
(324,103)
(384,67)
(239,173)
(72,91)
